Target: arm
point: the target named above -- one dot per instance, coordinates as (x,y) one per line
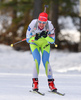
(30,35)
(51,34)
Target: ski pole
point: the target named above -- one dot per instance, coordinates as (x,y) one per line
(49,44)
(55,45)
(32,41)
(18,42)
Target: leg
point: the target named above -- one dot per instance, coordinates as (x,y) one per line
(36,55)
(45,59)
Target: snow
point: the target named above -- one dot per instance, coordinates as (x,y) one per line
(16,75)
(67,22)
(69,29)
(5,21)
(70,35)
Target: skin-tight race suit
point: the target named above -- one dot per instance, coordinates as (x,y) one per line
(42,44)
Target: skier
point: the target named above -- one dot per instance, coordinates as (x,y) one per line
(40,34)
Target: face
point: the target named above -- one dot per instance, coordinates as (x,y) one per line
(41,24)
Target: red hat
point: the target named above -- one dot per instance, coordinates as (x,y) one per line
(43,16)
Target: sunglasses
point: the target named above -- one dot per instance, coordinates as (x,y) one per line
(42,22)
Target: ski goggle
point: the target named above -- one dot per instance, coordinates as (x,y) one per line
(42,22)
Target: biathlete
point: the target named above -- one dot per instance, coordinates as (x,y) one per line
(40,34)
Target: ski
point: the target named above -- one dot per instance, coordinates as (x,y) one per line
(37,92)
(56,92)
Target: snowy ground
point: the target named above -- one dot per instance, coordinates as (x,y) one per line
(16,75)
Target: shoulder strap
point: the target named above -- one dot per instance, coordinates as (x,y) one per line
(35,26)
(47,26)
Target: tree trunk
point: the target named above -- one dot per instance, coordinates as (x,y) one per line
(37,8)
(53,16)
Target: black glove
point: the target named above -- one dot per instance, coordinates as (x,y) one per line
(44,34)
(37,36)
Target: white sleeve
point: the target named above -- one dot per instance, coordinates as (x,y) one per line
(51,31)
(51,28)
(30,28)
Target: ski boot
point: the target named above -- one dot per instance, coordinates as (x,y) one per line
(52,85)
(35,84)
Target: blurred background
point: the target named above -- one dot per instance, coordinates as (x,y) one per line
(16,64)
(15,16)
